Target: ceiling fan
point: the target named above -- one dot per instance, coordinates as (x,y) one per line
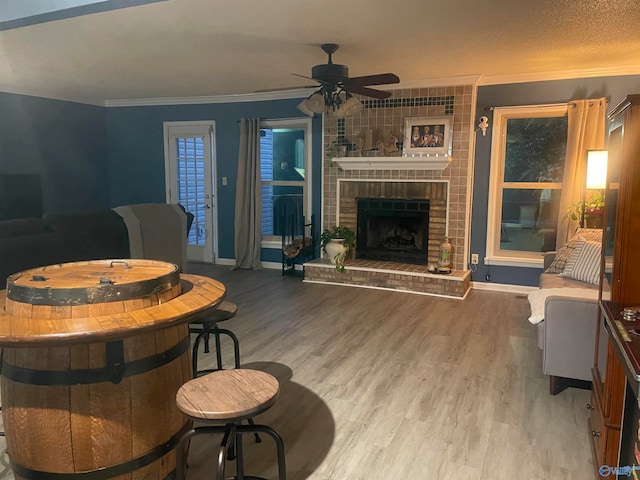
(335,93)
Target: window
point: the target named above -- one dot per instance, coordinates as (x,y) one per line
(527,162)
(190,180)
(285,169)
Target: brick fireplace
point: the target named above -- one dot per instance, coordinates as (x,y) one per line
(433,191)
(445,189)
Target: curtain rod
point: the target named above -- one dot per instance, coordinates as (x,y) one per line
(543,105)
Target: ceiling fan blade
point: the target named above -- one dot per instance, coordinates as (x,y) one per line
(379,79)
(368,92)
(303,76)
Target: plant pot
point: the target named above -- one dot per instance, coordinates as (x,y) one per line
(335,250)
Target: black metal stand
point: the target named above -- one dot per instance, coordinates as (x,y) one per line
(298,244)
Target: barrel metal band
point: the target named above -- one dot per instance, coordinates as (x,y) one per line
(100,293)
(93,375)
(105,473)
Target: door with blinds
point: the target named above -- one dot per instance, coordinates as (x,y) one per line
(189,174)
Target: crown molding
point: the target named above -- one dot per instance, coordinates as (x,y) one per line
(476,80)
(437,82)
(281,94)
(234,98)
(620,70)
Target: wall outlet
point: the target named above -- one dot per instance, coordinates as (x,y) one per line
(474,259)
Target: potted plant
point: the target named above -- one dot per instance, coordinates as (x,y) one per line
(337,242)
(337,148)
(593,209)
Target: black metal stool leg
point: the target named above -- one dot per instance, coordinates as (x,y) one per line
(239,457)
(181,460)
(236,344)
(216,332)
(222,452)
(255,434)
(231,452)
(194,354)
(206,326)
(216,336)
(282,471)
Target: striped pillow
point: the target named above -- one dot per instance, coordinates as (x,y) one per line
(563,254)
(584,264)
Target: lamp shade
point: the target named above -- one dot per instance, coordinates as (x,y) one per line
(302,106)
(352,106)
(597,169)
(315,103)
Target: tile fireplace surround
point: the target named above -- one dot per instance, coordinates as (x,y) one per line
(446,189)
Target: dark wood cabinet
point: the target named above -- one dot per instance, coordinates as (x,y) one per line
(621,269)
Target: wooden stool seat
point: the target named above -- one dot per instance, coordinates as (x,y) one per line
(224,311)
(228,395)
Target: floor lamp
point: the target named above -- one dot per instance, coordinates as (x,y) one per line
(596,175)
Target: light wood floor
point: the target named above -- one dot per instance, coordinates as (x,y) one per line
(381,385)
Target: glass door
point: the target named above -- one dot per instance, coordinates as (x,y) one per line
(189,177)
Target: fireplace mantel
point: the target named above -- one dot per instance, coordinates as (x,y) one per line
(431,162)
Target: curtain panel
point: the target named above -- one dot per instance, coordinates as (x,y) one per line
(248,215)
(586,131)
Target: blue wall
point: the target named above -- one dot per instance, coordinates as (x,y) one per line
(136,154)
(64,142)
(91,157)
(613,88)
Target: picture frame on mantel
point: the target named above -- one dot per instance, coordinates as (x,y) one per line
(426,136)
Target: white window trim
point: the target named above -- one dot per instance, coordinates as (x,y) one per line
(275,241)
(494,255)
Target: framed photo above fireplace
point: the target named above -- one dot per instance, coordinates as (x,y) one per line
(424,136)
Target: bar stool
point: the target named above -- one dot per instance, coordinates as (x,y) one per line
(222,400)
(208,326)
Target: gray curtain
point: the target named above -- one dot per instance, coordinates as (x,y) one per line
(585,131)
(248,216)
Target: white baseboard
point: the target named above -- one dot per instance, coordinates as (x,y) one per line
(503,287)
(268,265)
(226,261)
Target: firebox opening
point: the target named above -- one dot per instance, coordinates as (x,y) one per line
(394,230)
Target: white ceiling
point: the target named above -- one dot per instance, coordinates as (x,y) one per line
(185,48)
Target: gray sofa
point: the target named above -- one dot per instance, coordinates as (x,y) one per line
(150,231)
(567,335)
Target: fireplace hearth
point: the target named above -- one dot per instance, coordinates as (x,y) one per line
(395,230)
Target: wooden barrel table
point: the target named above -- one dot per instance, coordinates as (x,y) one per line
(93,356)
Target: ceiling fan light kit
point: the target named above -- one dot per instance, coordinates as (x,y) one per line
(335,93)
